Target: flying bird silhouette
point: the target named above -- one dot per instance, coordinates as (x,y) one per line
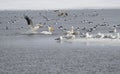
(30,23)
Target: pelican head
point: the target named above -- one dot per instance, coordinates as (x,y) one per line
(72,29)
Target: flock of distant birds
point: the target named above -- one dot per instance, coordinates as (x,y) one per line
(71,34)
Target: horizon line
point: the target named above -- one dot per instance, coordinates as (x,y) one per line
(62,9)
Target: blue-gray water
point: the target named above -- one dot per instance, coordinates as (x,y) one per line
(41,54)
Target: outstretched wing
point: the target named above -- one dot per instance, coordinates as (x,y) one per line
(29,21)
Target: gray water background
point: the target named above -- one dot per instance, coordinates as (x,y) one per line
(41,54)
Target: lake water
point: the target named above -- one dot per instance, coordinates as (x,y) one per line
(41,54)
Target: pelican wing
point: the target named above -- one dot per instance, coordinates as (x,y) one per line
(29,21)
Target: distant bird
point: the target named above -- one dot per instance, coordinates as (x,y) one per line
(90,22)
(49,32)
(87,35)
(64,14)
(84,28)
(69,37)
(91,29)
(56,10)
(66,37)
(114,26)
(118,25)
(100,35)
(60,27)
(77,28)
(76,31)
(60,38)
(21,26)
(71,31)
(113,31)
(30,23)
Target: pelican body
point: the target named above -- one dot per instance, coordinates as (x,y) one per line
(49,32)
(33,29)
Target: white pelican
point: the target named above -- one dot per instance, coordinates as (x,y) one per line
(87,35)
(115,35)
(66,37)
(100,35)
(60,38)
(33,28)
(71,31)
(112,36)
(114,30)
(50,30)
(69,37)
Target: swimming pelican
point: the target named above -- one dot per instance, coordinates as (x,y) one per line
(69,37)
(87,35)
(30,23)
(115,34)
(50,30)
(114,30)
(100,35)
(60,38)
(66,37)
(70,32)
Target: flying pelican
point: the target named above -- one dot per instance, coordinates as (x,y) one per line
(30,23)
(50,30)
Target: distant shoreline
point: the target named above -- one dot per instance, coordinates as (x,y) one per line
(58,9)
